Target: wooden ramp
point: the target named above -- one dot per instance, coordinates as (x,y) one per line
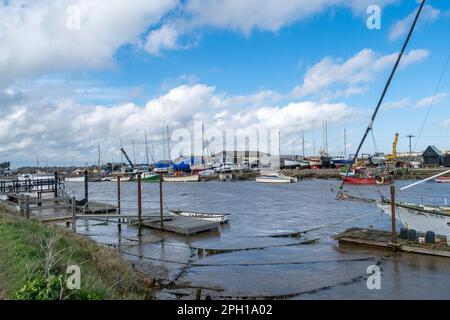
(181,225)
(382,239)
(97,208)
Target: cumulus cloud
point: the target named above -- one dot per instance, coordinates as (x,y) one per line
(71,132)
(401,27)
(426,102)
(244,17)
(400,104)
(359,69)
(36,37)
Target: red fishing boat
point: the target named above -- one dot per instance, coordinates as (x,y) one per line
(368,180)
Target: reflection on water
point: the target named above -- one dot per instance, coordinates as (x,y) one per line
(321,270)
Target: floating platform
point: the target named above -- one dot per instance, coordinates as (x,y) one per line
(97,208)
(383,239)
(181,225)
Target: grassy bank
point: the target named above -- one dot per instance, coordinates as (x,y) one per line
(34,259)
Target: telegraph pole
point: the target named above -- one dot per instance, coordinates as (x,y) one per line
(410,136)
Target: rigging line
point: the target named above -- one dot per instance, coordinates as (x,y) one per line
(386,87)
(432,101)
(374,142)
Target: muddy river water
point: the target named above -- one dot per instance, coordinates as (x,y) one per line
(282,267)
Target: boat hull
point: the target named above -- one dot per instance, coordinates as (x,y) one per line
(194,178)
(442,180)
(366,181)
(273,180)
(220,218)
(422,221)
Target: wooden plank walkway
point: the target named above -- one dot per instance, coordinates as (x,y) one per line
(382,239)
(182,225)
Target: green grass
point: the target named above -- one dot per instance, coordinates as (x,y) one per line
(104,275)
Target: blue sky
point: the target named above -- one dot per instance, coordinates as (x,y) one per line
(129,69)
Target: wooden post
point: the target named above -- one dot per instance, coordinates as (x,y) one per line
(74,214)
(394,232)
(86,188)
(118,201)
(56,184)
(27,206)
(161,208)
(21,204)
(139,199)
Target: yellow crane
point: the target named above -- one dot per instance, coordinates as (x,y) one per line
(393,156)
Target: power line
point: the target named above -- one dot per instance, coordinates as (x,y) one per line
(432,102)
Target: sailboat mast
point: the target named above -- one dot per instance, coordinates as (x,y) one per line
(383,94)
(164,145)
(168,143)
(146,149)
(345,143)
(303,144)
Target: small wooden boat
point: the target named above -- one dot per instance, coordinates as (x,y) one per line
(215,217)
(442,180)
(367,181)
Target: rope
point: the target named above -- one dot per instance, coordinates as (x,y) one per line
(246,264)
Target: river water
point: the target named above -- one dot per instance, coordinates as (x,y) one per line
(284,267)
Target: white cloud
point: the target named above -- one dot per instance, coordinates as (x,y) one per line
(163,38)
(71,132)
(245,16)
(401,27)
(426,102)
(35,37)
(362,68)
(400,104)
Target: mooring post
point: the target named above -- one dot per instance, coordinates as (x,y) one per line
(56,184)
(118,202)
(74,214)
(27,206)
(139,200)
(86,188)
(394,232)
(161,208)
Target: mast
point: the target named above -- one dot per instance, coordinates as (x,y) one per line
(203,146)
(134,152)
(99,160)
(345,143)
(383,94)
(164,145)
(303,145)
(121,158)
(168,143)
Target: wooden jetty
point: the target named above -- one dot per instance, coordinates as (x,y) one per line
(181,225)
(383,239)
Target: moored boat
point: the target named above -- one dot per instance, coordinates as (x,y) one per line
(419,217)
(215,217)
(190,178)
(367,180)
(442,180)
(275,178)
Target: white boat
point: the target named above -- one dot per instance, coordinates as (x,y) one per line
(36,176)
(122,178)
(74,179)
(191,178)
(419,217)
(275,178)
(215,217)
(296,163)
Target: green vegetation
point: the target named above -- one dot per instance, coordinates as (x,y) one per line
(34,259)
